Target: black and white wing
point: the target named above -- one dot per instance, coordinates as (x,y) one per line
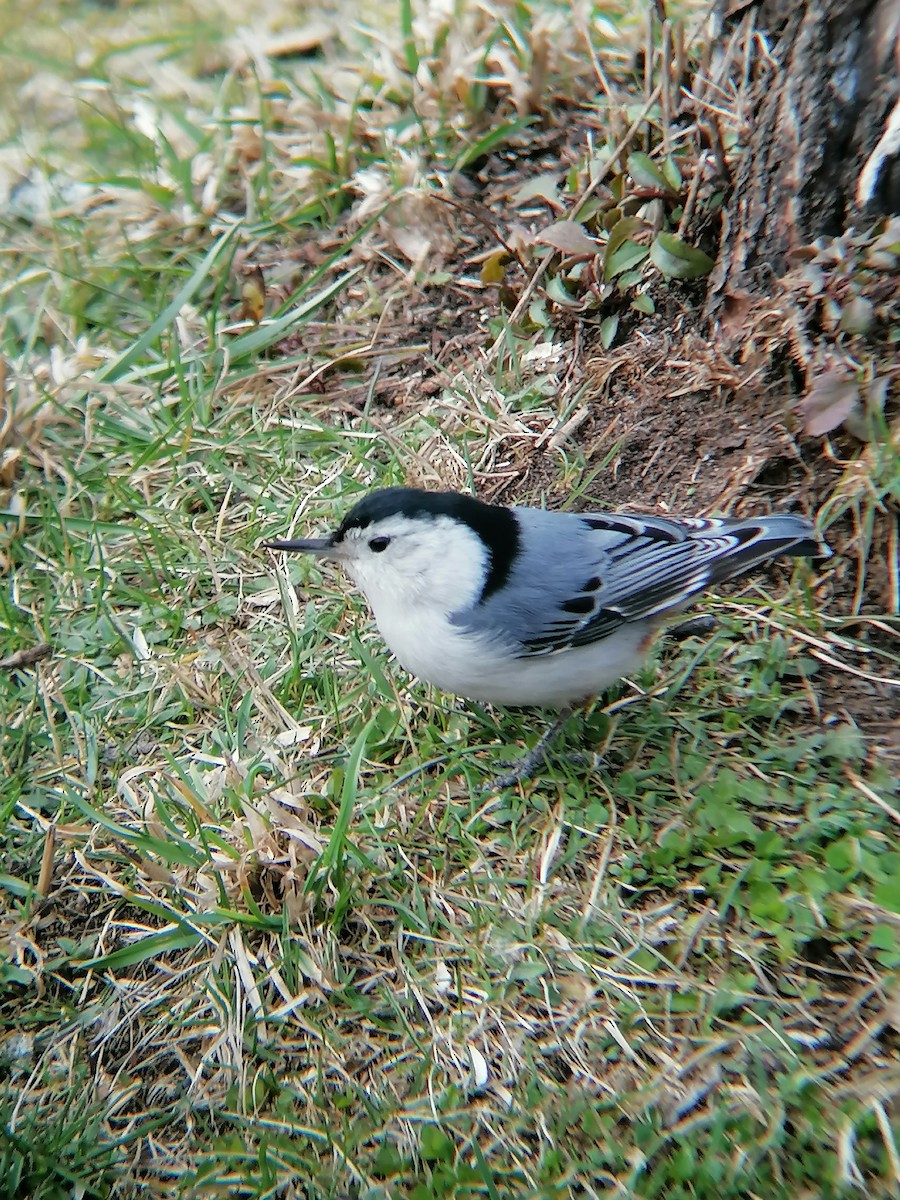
(582,578)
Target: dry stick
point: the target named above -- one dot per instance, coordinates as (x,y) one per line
(870,795)
(705,84)
(590,905)
(46,876)
(680,56)
(648,68)
(884,1126)
(691,202)
(480,213)
(592,54)
(666,81)
(819,649)
(25,658)
(893,561)
(613,114)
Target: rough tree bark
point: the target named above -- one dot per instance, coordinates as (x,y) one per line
(824,89)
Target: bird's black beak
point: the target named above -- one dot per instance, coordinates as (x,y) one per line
(325,547)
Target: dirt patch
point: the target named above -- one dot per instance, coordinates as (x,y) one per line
(680,433)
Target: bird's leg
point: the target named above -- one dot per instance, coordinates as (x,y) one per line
(526,766)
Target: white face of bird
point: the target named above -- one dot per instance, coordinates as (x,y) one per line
(405,562)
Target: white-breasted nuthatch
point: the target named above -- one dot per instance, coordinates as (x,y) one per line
(521,606)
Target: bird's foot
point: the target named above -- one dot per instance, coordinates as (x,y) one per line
(527,765)
(522,768)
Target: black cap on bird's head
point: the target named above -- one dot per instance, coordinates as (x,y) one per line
(494,524)
(377,506)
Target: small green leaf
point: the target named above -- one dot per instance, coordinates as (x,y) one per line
(843,856)
(645,173)
(673,175)
(623,230)
(766,903)
(537,313)
(769,844)
(435,1145)
(608,330)
(12,883)
(629,279)
(626,256)
(644,304)
(528,969)
(884,937)
(388,1161)
(556,291)
(887,894)
(611,218)
(677,260)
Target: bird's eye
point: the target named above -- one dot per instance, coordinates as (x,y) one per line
(377,544)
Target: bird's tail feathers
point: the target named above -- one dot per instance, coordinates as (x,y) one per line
(756,541)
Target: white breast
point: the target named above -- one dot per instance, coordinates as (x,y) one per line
(481,669)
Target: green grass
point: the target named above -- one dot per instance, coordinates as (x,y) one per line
(261,927)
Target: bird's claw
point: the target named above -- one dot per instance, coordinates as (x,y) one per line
(523,769)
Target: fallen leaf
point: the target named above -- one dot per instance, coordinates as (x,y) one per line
(866,421)
(287,44)
(568,237)
(493,269)
(413,243)
(608,329)
(858,315)
(141,646)
(542,187)
(834,395)
(299,41)
(479,1066)
(253,294)
(10,463)
(736,309)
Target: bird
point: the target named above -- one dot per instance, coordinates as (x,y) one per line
(519,606)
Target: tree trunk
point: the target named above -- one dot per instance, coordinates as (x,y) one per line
(823,87)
